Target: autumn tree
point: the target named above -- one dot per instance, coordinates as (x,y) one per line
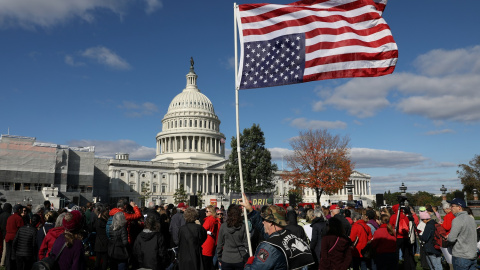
(320,161)
(469,174)
(257,167)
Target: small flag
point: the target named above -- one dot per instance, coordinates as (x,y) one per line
(313,40)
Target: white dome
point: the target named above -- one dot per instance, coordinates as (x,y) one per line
(191,99)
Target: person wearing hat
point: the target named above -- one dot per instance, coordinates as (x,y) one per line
(335,213)
(434,256)
(177,221)
(463,236)
(72,256)
(281,249)
(14,222)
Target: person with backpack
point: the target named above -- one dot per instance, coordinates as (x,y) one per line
(122,208)
(149,248)
(25,244)
(50,237)
(434,255)
(360,235)
(99,226)
(190,239)
(118,243)
(447,225)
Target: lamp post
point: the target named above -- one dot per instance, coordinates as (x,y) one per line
(444,193)
(475,194)
(403,189)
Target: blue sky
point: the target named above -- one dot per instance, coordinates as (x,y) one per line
(100,72)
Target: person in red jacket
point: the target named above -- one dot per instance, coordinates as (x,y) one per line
(360,235)
(121,207)
(447,225)
(14,222)
(51,236)
(385,245)
(403,242)
(210,224)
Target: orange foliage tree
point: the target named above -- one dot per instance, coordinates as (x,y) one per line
(320,161)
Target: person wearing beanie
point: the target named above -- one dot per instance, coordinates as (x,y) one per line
(73,255)
(434,256)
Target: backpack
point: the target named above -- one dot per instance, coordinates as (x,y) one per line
(439,237)
(107,227)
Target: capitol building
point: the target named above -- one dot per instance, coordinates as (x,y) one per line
(190,151)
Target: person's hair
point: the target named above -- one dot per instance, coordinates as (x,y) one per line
(151,205)
(371,214)
(38,208)
(35,220)
(289,208)
(152,223)
(435,208)
(212,210)
(335,227)
(59,221)
(51,216)
(347,213)
(356,216)
(70,236)
(469,210)
(121,203)
(88,205)
(47,202)
(326,212)
(318,212)
(190,215)
(264,208)
(99,208)
(446,205)
(234,214)
(385,219)
(119,221)
(310,215)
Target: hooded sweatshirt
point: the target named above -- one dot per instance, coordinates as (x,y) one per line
(232,244)
(150,250)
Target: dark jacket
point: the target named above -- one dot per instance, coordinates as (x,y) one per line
(25,242)
(345,223)
(232,243)
(71,258)
(177,221)
(335,254)
(294,228)
(41,233)
(7,211)
(319,229)
(428,236)
(101,239)
(150,250)
(190,239)
(119,240)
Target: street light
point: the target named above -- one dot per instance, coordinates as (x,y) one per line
(444,192)
(403,189)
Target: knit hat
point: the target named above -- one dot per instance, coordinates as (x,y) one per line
(181,206)
(424,215)
(334,206)
(72,220)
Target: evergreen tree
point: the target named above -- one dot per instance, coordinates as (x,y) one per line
(200,199)
(257,167)
(180,195)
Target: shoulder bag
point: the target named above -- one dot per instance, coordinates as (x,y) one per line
(48,263)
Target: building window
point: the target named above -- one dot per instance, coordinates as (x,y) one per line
(122,174)
(154,176)
(89,189)
(164,176)
(164,188)
(38,187)
(82,189)
(155,188)
(131,175)
(26,186)
(143,175)
(132,187)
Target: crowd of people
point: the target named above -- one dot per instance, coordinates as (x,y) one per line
(125,236)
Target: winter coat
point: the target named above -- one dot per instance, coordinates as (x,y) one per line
(294,228)
(361,231)
(464,235)
(130,217)
(177,221)
(383,242)
(336,253)
(48,241)
(232,244)
(41,233)
(319,229)
(403,221)
(190,239)
(14,222)
(71,258)
(210,224)
(101,239)
(7,212)
(345,223)
(25,242)
(428,237)
(150,250)
(119,239)
(447,222)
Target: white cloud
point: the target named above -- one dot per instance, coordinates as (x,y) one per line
(304,123)
(110,148)
(444,89)
(30,14)
(138,110)
(279,153)
(106,57)
(443,131)
(377,158)
(69,60)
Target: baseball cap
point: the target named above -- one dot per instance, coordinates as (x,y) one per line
(334,206)
(275,214)
(458,201)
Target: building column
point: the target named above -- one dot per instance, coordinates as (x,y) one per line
(197,184)
(191,183)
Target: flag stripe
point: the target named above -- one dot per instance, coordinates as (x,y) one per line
(341,38)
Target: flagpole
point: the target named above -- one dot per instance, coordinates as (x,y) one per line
(238,129)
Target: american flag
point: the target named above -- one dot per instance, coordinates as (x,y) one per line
(313,40)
